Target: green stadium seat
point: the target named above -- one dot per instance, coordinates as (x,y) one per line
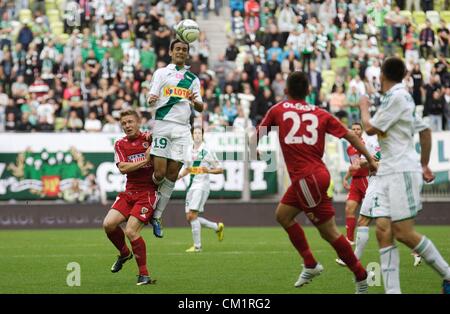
(445,15)
(25,16)
(439,5)
(57,28)
(60,5)
(419,17)
(406,14)
(63,38)
(50,5)
(328,79)
(53,15)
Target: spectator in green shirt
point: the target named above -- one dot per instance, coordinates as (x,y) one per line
(148,57)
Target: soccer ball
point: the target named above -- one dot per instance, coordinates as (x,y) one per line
(187,30)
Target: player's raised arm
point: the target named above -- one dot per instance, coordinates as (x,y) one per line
(195,96)
(155,88)
(127,167)
(364,104)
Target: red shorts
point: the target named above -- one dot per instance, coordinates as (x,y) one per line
(139,204)
(309,194)
(358,189)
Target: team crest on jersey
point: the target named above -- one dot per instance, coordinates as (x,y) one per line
(144,210)
(174,91)
(136,157)
(145,145)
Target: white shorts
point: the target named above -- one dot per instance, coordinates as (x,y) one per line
(367,204)
(397,195)
(171,140)
(195,200)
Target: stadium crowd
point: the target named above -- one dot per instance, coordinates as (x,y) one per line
(59,72)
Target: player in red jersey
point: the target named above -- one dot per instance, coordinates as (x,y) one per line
(136,204)
(358,186)
(301,131)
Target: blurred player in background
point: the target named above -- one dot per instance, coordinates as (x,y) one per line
(301,131)
(358,186)
(174,90)
(202,162)
(136,204)
(400,177)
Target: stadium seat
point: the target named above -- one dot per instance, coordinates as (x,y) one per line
(60,5)
(57,28)
(406,14)
(25,16)
(50,5)
(434,17)
(419,17)
(439,5)
(63,38)
(53,16)
(445,15)
(328,80)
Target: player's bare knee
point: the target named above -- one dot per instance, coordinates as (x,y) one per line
(330,235)
(349,211)
(108,226)
(191,216)
(363,221)
(282,219)
(131,233)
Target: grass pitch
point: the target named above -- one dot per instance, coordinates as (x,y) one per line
(248,261)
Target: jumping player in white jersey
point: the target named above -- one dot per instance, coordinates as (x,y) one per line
(397,196)
(202,162)
(174,90)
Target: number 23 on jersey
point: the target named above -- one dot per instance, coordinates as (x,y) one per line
(310,135)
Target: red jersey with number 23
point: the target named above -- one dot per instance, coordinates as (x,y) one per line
(301,131)
(127,150)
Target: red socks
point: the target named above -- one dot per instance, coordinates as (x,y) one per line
(345,253)
(298,239)
(140,254)
(117,237)
(350,224)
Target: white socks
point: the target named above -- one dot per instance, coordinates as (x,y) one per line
(196,232)
(164,193)
(431,255)
(362,236)
(208,224)
(390,269)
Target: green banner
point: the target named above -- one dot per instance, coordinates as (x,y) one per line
(45,173)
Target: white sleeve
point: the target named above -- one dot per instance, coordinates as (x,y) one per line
(388,113)
(419,124)
(196,89)
(212,160)
(156,83)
